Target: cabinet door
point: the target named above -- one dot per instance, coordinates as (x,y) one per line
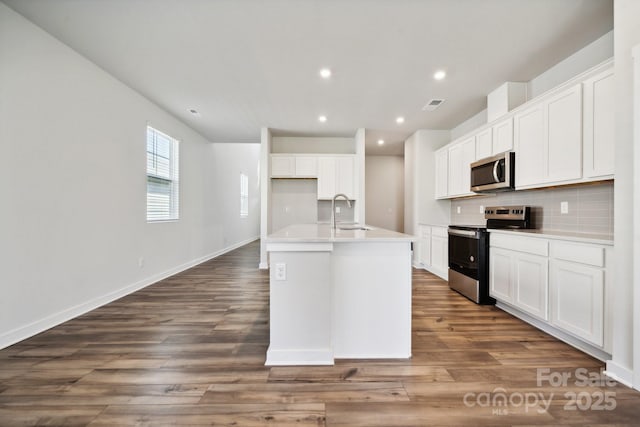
(459,173)
(326,177)
(484,144)
(282,166)
(530,146)
(503,136)
(306,167)
(564,135)
(425,246)
(468,157)
(442,163)
(577,300)
(439,253)
(501,274)
(599,107)
(531,284)
(454,171)
(345,176)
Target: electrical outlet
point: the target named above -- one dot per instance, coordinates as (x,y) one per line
(564,207)
(281,271)
(481,209)
(458,209)
(337,209)
(141,262)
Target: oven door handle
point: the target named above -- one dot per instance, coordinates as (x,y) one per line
(464,233)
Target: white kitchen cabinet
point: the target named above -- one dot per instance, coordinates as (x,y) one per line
(530,146)
(501,274)
(548,140)
(283,166)
(442,173)
(564,135)
(598,134)
(459,172)
(520,279)
(432,249)
(439,251)
(335,175)
(503,136)
(531,284)
(560,286)
(307,166)
(289,166)
(484,143)
(577,300)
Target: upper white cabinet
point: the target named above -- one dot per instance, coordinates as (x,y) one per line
(503,136)
(288,166)
(283,166)
(442,174)
(548,140)
(564,135)
(599,124)
(336,175)
(484,144)
(530,146)
(459,173)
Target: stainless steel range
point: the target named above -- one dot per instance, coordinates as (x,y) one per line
(469,250)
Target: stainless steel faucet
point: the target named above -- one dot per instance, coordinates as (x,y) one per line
(333,207)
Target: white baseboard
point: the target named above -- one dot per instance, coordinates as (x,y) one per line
(41,325)
(619,373)
(299,357)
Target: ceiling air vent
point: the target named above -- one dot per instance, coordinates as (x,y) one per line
(433,104)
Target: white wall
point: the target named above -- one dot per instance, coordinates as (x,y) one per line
(72,176)
(626,35)
(385,191)
(419,165)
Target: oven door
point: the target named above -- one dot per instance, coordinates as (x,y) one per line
(463,252)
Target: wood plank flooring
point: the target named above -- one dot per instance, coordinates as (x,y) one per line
(190,350)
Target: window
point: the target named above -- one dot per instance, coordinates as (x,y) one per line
(162,177)
(244,195)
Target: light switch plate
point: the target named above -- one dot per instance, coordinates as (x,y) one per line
(337,209)
(458,209)
(564,207)
(481,209)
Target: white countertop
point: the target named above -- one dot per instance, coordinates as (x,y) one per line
(299,233)
(601,239)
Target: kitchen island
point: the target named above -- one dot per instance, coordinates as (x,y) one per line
(343,293)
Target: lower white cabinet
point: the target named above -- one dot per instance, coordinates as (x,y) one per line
(520,279)
(562,283)
(432,250)
(531,284)
(577,300)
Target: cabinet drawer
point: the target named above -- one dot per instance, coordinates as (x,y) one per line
(575,252)
(519,243)
(439,231)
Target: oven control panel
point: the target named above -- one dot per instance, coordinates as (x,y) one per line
(507,212)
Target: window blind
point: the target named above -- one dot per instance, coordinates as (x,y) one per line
(163,200)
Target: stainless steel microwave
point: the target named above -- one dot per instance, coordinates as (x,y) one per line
(493,174)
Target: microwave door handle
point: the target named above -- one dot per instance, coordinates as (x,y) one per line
(495,170)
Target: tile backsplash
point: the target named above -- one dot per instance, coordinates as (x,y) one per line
(590,207)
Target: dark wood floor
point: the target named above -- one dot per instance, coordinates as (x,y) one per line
(191,350)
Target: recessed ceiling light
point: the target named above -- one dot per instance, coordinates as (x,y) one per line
(195,112)
(400,120)
(325,73)
(380,141)
(322,119)
(439,75)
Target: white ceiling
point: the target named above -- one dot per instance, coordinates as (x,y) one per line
(245,64)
